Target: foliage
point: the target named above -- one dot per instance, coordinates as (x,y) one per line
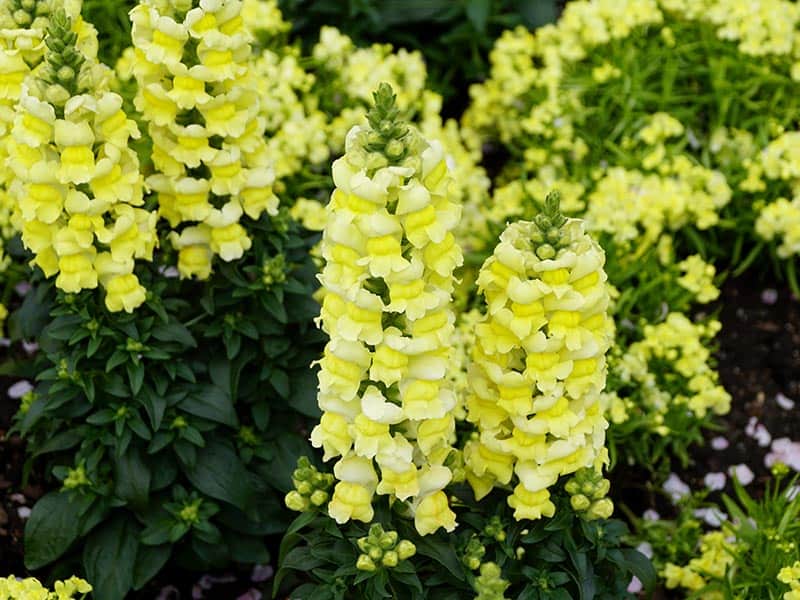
(440,29)
(173,430)
(565,557)
(744,557)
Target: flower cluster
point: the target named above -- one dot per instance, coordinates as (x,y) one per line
(674,355)
(715,556)
(200,98)
(390,255)
(382,548)
(77,182)
(12,588)
(539,362)
(791,576)
(698,278)
(633,206)
(311,488)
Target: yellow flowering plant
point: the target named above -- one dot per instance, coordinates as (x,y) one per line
(76,182)
(198,94)
(12,588)
(538,365)
(387,282)
(753,551)
(615,103)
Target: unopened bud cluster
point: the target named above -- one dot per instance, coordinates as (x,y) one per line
(311,487)
(588,490)
(382,549)
(473,553)
(490,585)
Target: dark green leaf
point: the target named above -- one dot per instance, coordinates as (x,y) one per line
(149,561)
(211,402)
(220,474)
(109,558)
(175,332)
(132,478)
(478,13)
(61,441)
(135,376)
(52,527)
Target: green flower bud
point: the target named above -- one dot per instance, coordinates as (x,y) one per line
(602,489)
(65,74)
(363,544)
(572,487)
(296,502)
(579,502)
(365,563)
(600,509)
(545,252)
(553,235)
(319,497)
(305,488)
(56,94)
(405,549)
(390,559)
(375,553)
(22,18)
(388,540)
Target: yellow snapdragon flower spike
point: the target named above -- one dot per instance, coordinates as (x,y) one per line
(23,26)
(76,182)
(388,278)
(538,367)
(199,95)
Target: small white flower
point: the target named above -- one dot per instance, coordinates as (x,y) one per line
(712,516)
(784,402)
(676,488)
(769,296)
(651,515)
(741,472)
(719,443)
(758,432)
(646,549)
(635,586)
(19,389)
(785,451)
(715,481)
